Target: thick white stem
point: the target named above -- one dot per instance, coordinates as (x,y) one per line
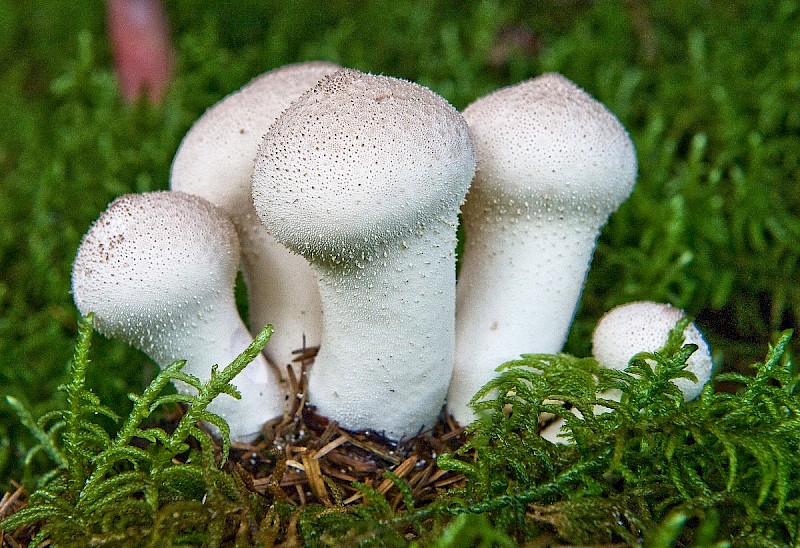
(521,278)
(388,336)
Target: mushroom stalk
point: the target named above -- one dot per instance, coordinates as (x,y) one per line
(517,289)
(388,334)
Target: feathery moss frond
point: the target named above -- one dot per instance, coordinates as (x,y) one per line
(733,453)
(107,486)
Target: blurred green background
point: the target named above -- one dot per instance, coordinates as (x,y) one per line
(710,92)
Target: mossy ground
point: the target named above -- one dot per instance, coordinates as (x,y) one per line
(710,93)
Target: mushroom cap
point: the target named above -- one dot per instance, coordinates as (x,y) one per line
(547,143)
(151,257)
(644,326)
(360,160)
(215,158)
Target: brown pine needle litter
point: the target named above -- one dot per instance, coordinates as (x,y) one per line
(304,458)
(10,503)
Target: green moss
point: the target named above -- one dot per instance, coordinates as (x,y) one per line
(106,490)
(655,469)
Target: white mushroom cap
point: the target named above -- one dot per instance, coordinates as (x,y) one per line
(215,161)
(374,159)
(552,165)
(364,175)
(637,327)
(548,143)
(215,158)
(644,327)
(157,270)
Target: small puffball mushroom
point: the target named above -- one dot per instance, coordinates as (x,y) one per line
(644,326)
(552,165)
(637,327)
(158,271)
(363,176)
(215,161)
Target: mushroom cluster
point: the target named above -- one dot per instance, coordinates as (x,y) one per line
(337,194)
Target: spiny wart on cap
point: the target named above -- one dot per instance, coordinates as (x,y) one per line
(364,175)
(158,269)
(552,165)
(215,161)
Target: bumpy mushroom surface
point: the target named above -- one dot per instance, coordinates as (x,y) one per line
(158,271)
(552,165)
(215,161)
(363,175)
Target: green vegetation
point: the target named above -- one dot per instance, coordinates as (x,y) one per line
(711,95)
(114,493)
(721,454)
(729,462)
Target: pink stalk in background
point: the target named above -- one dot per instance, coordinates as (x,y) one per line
(140,43)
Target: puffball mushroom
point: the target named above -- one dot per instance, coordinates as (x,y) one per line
(158,271)
(552,165)
(644,326)
(363,175)
(636,327)
(215,161)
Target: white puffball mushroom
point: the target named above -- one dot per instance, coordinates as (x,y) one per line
(644,326)
(364,175)
(158,271)
(636,327)
(552,165)
(215,161)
